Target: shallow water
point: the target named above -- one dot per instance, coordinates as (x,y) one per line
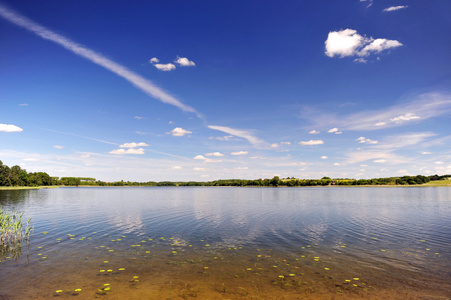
(232,243)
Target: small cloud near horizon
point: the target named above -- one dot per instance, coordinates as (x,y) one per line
(239,153)
(395,8)
(133,145)
(311,142)
(218,154)
(10,128)
(123,151)
(184,62)
(178,131)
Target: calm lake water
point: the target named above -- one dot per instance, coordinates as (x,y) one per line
(231,243)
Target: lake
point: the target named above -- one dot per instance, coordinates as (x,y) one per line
(231,243)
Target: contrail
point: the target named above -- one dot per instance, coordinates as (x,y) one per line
(140,82)
(82,136)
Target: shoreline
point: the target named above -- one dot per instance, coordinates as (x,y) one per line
(11,188)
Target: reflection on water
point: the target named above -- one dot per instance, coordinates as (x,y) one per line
(232,243)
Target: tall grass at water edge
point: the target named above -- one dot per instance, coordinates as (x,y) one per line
(12,229)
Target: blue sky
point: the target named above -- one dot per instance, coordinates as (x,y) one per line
(203,90)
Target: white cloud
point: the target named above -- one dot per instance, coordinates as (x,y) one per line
(23,104)
(314,132)
(133,145)
(426,153)
(348,42)
(218,154)
(165,67)
(421,108)
(363,140)
(207,160)
(241,168)
(138,81)
(29,159)
(324,157)
(178,131)
(360,60)
(154,60)
(139,118)
(199,157)
(403,172)
(240,153)
(333,130)
(245,134)
(385,150)
(223,138)
(404,140)
(394,8)
(58,147)
(378,45)
(337,164)
(311,142)
(10,128)
(439,162)
(276,145)
(380,161)
(405,117)
(199,169)
(184,62)
(344,43)
(122,151)
(177,168)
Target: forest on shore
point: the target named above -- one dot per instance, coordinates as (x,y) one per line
(18,177)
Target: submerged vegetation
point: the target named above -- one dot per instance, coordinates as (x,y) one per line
(17,177)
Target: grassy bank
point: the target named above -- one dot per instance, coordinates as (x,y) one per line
(26,187)
(444,182)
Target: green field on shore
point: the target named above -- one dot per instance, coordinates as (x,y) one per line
(26,187)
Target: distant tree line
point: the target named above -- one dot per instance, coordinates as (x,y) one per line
(325,181)
(16,176)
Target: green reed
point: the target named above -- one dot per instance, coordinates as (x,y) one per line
(12,229)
